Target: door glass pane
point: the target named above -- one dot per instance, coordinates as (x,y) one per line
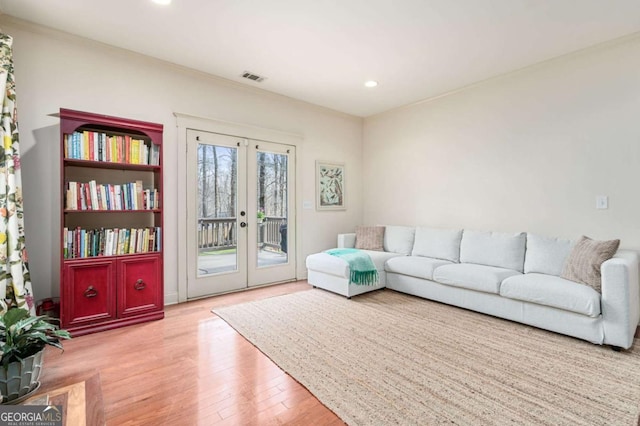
(217,204)
(272,205)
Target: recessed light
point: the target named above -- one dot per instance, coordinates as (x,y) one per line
(162,2)
(370,83)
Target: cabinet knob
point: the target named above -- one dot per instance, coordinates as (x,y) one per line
(90,292)
(139,285)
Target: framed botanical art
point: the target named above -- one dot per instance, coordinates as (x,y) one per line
(330,186)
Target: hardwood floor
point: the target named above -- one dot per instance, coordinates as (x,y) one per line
(189,369)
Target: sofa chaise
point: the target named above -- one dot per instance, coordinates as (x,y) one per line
(512,276)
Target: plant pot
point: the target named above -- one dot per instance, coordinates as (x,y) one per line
(20,378)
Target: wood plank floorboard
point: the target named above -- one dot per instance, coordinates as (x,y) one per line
(191,368)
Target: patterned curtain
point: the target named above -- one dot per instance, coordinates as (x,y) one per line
(15,283)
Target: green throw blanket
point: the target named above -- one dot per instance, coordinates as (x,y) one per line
(363,271)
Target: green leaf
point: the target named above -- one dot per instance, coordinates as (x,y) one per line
(22,335)
(12,316)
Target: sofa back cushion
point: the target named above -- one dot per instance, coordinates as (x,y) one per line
(498,249)
(438,243)
(369,237)
(399,239)
(546,255)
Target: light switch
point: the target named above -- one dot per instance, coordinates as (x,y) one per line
(306,204)
(602,202)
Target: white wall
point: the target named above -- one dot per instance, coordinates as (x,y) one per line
(524,152)
(56,70)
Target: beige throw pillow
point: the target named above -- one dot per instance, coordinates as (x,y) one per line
(584,261)
(370,238)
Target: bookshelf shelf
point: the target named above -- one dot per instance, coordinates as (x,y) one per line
(113,211)
(111,257)
(108,165)
(114,257)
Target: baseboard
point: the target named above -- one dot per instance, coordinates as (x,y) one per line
(170,299)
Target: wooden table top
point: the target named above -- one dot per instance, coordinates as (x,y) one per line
(81,402)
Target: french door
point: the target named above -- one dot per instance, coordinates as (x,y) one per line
(240,213)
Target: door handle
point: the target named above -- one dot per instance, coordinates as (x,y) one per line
(90,292)
(243,224)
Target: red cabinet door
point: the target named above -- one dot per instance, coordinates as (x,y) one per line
(140,285)
(88,292)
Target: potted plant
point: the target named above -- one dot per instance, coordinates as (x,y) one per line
(261,216)
(22,342)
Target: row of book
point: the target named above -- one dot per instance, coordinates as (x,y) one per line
(96,146)
(81,243)
(94,196)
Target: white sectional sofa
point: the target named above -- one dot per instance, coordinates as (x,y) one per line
(512,276)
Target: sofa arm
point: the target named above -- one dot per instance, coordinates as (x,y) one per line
(620,298)
(347,240)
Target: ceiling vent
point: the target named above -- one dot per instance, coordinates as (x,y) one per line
(253,77)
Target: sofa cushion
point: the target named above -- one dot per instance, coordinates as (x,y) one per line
(474,277)
(328,264)
(552,291)
(546,255)
(493,249)
(438,243)
(414,266)
(379,258)
(584,262)
(333,265)
(370,237)
(399,239)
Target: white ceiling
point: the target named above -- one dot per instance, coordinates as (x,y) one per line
(323,51)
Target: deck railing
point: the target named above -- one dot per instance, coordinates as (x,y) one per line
(221,233)
(217,234)
(270,233)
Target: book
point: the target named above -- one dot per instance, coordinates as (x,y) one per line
(91,149)
(108,242)
(138,197)
(101,137)
(132,243)
(152,240)
(119,243)
(65,242)
(145,240)
(78,145)
(104,197)
(144,153)
(117,197)
(126,240)
(135,150)
(65,146)
(128,150)
(70,199)
(102,242)
(85,145)
(112,198)
(155,155)
(93,195)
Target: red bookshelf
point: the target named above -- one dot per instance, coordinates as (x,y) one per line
(111,222)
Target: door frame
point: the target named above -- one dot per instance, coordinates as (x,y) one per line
(186,121)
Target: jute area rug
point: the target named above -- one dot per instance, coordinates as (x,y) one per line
(387,358)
